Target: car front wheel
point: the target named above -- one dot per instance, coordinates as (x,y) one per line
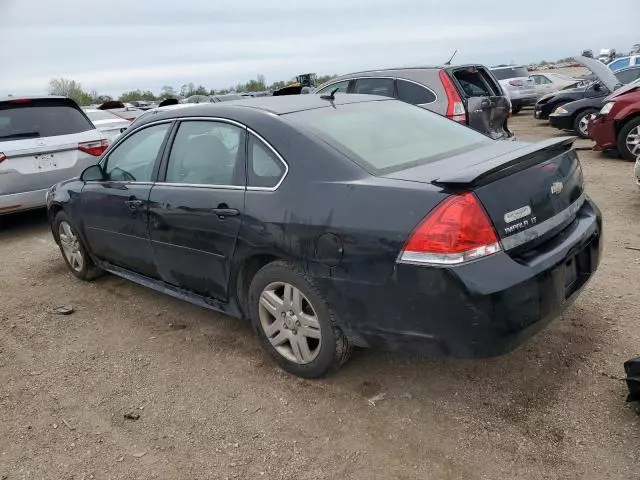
(629,140)
(581,122)
(294,322)
(73,251)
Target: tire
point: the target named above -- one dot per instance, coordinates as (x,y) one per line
(73,250)
(516,110)
(286,322)
(630,132)
(581,121)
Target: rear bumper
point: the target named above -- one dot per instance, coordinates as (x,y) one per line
(18,202)
(481,309)
(562,122)
(603,133)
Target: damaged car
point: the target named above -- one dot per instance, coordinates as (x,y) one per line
(332,221)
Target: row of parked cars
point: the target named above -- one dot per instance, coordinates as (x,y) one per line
(601,109)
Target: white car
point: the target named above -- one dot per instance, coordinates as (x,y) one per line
(517,84)
(109,124)
(43,141)
(552,82)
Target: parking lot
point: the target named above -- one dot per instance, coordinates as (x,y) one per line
(212,405)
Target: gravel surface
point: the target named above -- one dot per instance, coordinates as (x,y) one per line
(136,385)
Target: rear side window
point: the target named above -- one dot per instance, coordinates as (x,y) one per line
(413,93)
(265,168)
(374,86)
(388,136)
(40,118)
(510,72)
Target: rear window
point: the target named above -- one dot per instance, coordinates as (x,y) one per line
(476,82)
(40,118)
(510,72)
(388,136)
(95,115)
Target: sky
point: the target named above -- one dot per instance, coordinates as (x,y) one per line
(119,45)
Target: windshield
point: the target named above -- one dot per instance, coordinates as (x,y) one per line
(41,118)
(388,136)
(510,72)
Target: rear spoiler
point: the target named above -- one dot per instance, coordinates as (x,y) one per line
(504,165)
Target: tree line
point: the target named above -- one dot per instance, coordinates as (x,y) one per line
(74,90)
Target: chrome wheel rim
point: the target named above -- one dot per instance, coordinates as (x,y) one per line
(633,141)
(70,247)
(290,323)
(583,125)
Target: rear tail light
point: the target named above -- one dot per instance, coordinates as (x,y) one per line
(455,106)
(20,100)
(95,149)
(458,230)
(3,157)
(516,83)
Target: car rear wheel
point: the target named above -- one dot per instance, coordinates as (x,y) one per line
(581,122)
(629,140)
(294,322)
(73,251)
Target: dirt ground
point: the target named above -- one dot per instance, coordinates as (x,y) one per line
(213,406)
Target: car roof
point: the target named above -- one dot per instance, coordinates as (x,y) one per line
(281,105)
(32,97)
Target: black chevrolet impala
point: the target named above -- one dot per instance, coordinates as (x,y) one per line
(338,221)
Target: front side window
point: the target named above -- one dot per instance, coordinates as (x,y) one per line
(133,159)
(207,153)
(374,86)
(622,63)
(265,168)
(341,86)
(628,76)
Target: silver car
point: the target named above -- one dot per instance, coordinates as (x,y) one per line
(466,94)
(518,85)
(43,141)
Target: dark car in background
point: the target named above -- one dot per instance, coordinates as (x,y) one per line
(575,116)
(467,94)
(332,221)
(604,82)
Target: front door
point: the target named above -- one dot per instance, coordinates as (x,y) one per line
(114,210)
(196,210)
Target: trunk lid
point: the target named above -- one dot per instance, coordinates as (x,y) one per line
(487,106)
(530,191)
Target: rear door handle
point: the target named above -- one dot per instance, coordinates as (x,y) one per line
(223,211)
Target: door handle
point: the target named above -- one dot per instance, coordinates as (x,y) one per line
(133,203)
(223,211)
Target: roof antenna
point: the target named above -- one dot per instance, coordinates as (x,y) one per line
(448,62)
(331,96)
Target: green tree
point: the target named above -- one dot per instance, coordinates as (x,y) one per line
(187,89)
(200,90)
(167,92)
(69,88)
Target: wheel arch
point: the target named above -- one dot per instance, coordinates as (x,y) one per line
(246,270)
(618,125)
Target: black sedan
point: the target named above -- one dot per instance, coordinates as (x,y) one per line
(338,221)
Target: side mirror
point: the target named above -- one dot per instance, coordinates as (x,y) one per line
(92,173)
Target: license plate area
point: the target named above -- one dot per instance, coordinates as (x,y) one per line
(570,274)
(45,162)
(577,271)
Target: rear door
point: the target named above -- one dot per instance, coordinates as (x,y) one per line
(487,106)
(196,209)
(44,141)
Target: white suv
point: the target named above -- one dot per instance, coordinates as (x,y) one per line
(43,140)
(518,85)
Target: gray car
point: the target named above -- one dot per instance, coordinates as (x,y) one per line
(43,140)
(467,94)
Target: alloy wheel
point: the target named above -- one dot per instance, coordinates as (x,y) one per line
(290,322)
(71,246)
(584,124)
(633,141)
